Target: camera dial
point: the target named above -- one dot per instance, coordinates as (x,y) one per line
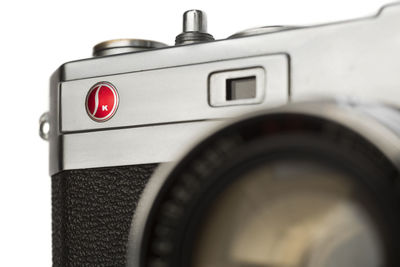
(120,46)
(194,31)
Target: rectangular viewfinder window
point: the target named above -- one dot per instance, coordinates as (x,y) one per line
(241,88)
(237,87)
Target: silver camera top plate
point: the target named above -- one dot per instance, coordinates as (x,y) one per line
(164,93)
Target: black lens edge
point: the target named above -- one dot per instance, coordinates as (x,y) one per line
(344,149)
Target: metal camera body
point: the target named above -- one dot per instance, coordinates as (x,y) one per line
(170,97)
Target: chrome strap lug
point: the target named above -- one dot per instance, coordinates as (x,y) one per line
(44,126)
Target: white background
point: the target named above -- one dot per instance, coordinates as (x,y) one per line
(36,36)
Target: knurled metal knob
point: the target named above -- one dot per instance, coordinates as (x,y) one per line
(120,46)
(194,28)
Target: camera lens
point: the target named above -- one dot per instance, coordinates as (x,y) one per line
(289,213)
(274,190)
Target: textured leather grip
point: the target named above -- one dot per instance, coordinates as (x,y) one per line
(92,212)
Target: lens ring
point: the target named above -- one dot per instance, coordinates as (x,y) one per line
(166,228)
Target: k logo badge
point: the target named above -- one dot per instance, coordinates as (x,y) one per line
(102,101)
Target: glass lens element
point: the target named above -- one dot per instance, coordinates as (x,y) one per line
(241,88)
(289,214)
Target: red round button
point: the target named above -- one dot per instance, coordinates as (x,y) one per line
(102,101)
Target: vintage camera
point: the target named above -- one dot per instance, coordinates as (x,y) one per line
(278,146)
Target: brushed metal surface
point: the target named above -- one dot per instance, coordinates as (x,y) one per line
(170,95)
(358,59)
(130,146)
(347,58)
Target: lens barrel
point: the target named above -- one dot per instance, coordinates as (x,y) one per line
(287,187)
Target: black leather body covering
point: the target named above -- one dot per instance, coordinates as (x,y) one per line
(92,211)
